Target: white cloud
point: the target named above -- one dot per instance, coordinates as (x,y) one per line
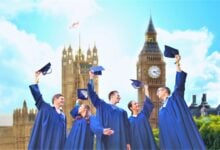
(76,10)
(25,55)
(73,10)
(203,71)
(121,66)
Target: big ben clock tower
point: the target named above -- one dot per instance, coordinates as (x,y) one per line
(151,70)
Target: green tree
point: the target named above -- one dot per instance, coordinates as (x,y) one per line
(209,127)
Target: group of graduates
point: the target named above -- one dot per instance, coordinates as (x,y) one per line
(111,125)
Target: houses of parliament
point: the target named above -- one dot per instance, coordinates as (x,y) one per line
(75,67)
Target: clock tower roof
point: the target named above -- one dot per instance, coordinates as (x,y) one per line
(151,28)
(151,44)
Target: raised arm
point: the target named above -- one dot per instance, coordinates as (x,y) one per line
(96,101)
(148,105)
(74,112)
(35,91)
(180,78)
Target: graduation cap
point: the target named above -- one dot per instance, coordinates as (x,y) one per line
(170,52)
(137,84)
(45,69)
(82,94)
(97,70)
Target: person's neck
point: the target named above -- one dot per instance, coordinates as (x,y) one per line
(135,113)
(83,114)
(112,102)
(57,108)
(165,98)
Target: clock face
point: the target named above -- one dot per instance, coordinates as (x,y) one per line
(154,72)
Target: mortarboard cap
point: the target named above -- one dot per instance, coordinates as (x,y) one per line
(97,70)
(45,69)
(136,84)
(170,52)
(82,94)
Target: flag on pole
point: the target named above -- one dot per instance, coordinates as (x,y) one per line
(74,24)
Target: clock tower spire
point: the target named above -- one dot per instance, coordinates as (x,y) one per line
(151,70)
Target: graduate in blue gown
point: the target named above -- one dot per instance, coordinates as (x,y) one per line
(141,133)
(110,116)
(81,136)
(49,130)
(176,125)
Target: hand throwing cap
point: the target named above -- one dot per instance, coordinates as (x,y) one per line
(170,52)
(45,69)
(136,84)
(97,70)
(82,94)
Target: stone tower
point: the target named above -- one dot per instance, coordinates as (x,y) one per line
(151,70)
(22,126)
(75,74)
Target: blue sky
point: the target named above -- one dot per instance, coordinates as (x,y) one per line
(33,33)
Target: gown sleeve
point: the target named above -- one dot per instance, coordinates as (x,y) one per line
(39,101)
(180,83)
(74,112)
(96,101)
(96,127)
(148,107)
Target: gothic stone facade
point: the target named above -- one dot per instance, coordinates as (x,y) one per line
(75,75)
(17,136)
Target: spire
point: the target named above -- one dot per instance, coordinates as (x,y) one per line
(70,49)
(64,50)
(89,51)
(79,41)
(24,105)
(151,28)
(94,48)
(94,55)
(150,44)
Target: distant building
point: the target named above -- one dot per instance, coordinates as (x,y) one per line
(17,136)
(204,108)
(75,75)
(151,69)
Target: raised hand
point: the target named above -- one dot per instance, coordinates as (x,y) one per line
(146,91)
(37,77)
(91,75)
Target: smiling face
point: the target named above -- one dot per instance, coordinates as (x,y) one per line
(135,106)
(114,97)
(58,100)
(163,93)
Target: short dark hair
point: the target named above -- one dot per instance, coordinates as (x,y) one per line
(167,89)
(130,105)
(111,93)
(56,96)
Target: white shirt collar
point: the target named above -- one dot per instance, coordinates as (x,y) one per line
(165,102)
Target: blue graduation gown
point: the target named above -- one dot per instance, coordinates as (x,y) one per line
(110,116)
(81,136)
(141,133)
(49,130)
(177,128)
